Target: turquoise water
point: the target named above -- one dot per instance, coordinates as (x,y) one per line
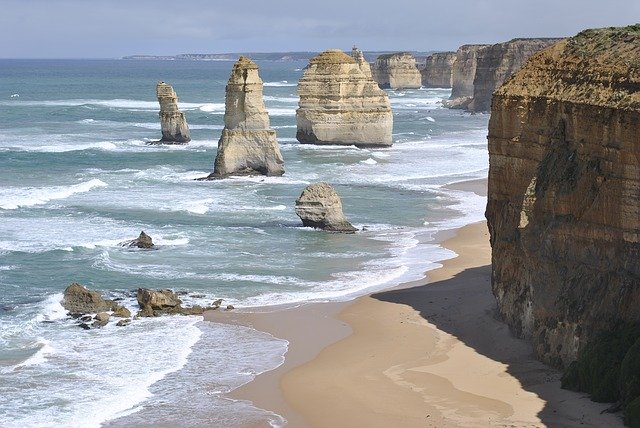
(76,179)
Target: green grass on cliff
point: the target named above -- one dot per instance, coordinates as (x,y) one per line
(604,41)
(608,368)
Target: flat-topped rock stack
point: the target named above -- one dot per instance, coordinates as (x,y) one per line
(436,72)
(341,104)
(463,73)
(247,145)
(397,71)
(498,62)
(172,121)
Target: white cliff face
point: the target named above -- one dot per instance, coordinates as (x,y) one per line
(437,70)
(319,206)
(341,104)
(397,71)
(172,121)
(248,145)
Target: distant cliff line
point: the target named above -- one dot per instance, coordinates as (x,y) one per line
(259,56)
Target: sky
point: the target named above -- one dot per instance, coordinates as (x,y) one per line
(115,28)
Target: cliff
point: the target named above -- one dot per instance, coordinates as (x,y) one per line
(172,121)
(437,70)
(397,71)
(463,73)
(340,104)
(564,196)
(247,145)
(498,62)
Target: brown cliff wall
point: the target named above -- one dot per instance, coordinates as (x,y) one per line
(498,62)
(437,70)
(463,72)
(564,192)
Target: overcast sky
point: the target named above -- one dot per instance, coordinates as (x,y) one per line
(114,28)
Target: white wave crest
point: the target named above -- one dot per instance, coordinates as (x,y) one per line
(14,198)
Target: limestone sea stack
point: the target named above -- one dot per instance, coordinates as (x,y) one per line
(320,207)
(341,104)
(498,62)
(172,121)
(463,73)
(364,65)
(397,71)
(248,145)
(564,198)
(436,72)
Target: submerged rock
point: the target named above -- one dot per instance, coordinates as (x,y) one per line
(142,241)
(80,300)
(123,322)
(172,121)
(248,145)
(341,104)
(320,207)
(397,71)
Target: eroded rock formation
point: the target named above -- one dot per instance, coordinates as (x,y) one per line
(172,121)
(78,300)
(436,72)
(320,207)
(564,192)
(397,71)
(498,62)
(463,73)
(142,241)
(341,104)
(248,145)
(365,67)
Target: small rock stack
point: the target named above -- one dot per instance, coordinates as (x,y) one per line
(172,121)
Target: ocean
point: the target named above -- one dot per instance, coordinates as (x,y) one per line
(77,178)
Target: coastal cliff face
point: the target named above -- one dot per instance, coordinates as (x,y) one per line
(437,70)
(248,145)
(340,104)
(397,71)
(564,193)
(463,73)
(498,62)
(172,121)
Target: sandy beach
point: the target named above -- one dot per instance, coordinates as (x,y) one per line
(427,354)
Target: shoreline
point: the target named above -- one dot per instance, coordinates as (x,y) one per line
(424,353)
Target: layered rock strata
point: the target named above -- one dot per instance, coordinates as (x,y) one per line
(564,192)
(364,65)
(496,63)
(172,121)
(463,73)
(436,72)
(320,207)
(341,104)
(397,71)
(248,145)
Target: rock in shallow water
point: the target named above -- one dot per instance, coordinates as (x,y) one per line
(142,241)
(80,300)
(320,207)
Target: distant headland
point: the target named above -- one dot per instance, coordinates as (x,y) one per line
(259,56)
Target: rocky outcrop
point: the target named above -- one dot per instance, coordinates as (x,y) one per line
(397,71)
(564,193)
(436,72)
(172,121)
(463,73)
(341,104)
(155,303)
(142,241)
(248,145)
(496,63)
(79,300)
(320,207)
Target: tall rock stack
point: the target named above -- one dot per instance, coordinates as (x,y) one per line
(498,62)
(463,73)
(437,70)
(340,104)
(564,194)
(397,71)
(172,121)
(248,145)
